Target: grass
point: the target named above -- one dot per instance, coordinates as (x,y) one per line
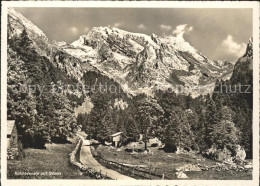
(50,163)
(166,163)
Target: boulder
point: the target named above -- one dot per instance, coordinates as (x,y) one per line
(240,153)
(189,167)
(181,175)
(108,143)
(223,155)
(179,150)
(194,168)
(249,166)
(212,150)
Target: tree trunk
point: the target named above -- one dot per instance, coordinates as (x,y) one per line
(145,142)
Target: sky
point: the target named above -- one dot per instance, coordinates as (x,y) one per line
(219,34)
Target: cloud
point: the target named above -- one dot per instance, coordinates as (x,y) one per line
(141,27)
(74,30)
(232,47)
(117,25)
(86,29)
(180,30)
(165,27)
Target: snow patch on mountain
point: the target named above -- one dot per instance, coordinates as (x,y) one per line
(123,33)
(141,63)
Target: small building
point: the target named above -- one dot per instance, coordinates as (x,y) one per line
(116,138)
(155,142)
(12,140)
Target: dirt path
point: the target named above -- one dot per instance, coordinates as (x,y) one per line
(86,158)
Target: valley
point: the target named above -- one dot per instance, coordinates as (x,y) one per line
(124,89)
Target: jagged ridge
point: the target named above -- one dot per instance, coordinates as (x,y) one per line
(142,63)
(138,62)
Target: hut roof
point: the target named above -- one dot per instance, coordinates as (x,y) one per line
(10,126)
(116,134)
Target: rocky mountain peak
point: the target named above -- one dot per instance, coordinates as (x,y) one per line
(141,62)
(249,48)
(243,68)
(24,23)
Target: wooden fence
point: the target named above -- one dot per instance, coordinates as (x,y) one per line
(89,171)
(132,171)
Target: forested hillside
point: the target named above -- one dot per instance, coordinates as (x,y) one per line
(41,116)
(222,120)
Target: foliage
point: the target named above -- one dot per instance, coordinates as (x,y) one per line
(41,117)
(212,119)
(240,102)
(178,131)
(148,114)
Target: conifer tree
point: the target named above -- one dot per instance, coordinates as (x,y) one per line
(178,131)
(212,119)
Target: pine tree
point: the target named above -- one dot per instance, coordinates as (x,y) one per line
(188,101)
(225,134)
(171,137)
(178,131)
(107,126)
(200,132)
(131,128)
(94,121)
(24,40)
(212,118)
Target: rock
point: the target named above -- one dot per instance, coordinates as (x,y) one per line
(181,175)
(189,167)
(195,168)
(234,167)
(212,150)
(179,150)
(154,142)
(240,153)
(223,155)
(107,143)
(250,166)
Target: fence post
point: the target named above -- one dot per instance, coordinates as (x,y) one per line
(150,172)
(163,177)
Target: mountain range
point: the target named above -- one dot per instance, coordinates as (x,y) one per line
(139,63)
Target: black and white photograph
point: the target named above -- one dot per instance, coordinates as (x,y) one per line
(130,93)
